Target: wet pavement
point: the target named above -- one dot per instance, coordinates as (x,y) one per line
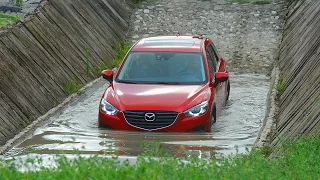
(75,128)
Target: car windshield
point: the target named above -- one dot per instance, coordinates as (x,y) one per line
(162,68)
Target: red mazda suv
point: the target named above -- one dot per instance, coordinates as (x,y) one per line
(166,84)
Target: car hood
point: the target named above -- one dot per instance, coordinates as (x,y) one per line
(155,97)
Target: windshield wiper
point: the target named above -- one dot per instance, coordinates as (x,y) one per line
(127,82)
(134,82)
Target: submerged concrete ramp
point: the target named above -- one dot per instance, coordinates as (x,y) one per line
(299,63)
(65,43)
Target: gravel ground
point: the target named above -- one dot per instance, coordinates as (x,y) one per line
(8,7)
(28,6)
(248,35)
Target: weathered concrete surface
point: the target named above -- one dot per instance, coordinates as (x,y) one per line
(268,126)
(299,62)
(298,105)
(45,52)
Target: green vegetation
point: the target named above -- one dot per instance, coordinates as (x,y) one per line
(102,66)
(281,86)
(6,20)
(121,50)
(260,2)
(72,86)
(19,3)
(240,1)
(137,1)
(300,160)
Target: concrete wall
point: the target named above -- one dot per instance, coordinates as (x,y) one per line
(299,64)
(40,56)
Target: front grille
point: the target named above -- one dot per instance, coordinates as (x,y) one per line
(162,119)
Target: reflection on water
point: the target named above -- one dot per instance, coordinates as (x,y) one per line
(75,128)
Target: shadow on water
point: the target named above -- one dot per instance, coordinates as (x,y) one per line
(75,128)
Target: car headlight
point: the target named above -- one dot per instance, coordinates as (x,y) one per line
(108,108)
(197,110)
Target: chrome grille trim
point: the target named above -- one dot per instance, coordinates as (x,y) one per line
(138,120)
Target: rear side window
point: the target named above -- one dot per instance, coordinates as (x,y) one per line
(211,60)
(215,50)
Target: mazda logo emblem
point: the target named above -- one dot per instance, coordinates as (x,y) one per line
(149,116)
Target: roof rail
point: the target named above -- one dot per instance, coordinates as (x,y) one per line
(202,36)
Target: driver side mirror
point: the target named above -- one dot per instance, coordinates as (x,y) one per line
(108,75)
(220,77)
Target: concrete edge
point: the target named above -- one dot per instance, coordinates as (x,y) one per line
(32,127)
(269,122)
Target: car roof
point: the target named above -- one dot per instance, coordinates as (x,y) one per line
(170,44)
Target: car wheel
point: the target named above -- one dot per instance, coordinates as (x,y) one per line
(101,125)
(228,90)
(214,115)
(208,126)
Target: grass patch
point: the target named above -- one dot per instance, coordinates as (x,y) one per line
(102,66)
(240,1)
(6,20)
(121,50)
(300,160)
(72,86)
(19,3)
(136,3)
(281,86)
(261,2)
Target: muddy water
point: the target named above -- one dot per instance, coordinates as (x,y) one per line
(75,128)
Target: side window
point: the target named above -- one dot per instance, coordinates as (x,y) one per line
(210,62)
(214,56)
(216,53)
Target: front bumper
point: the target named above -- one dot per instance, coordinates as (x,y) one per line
(181,123)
